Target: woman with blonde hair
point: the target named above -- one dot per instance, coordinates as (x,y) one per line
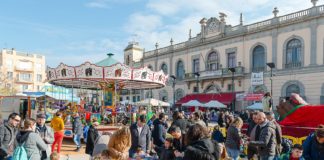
(31,141)
(119,144)
(233,139)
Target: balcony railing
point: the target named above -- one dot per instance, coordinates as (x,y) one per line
(216,74)
(26,69)
(293,65)
(258,69)
(20,80)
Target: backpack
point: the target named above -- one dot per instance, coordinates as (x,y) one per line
(286,145)
(85,132)
(20,153)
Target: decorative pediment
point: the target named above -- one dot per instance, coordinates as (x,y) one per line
(213,26)
(88,70)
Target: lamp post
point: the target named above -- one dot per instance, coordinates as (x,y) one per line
(173,86)
(271,65)
(197,81)
(233,71)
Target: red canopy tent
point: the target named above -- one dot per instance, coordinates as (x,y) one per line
(225,98)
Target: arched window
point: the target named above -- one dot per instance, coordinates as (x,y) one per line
(150,67)
(212,89)
(293,53)
(213,61)
(293,88)
(180,70)
(179,94)
(258,59)
(164,68)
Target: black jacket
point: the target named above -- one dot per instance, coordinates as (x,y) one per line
(158,133)
(167,154)
(91,138)
(140,139)
(203,149)
(183,124)
(77,126)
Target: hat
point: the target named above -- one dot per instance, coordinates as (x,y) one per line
(41,116)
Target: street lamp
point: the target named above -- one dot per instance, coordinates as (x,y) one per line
(233,71)
(197,74)
(173,86)
(271,65)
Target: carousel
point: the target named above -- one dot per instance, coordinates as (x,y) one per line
(108,77)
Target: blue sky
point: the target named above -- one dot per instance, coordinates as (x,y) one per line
(74,31)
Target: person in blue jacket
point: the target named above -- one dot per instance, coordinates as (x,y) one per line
(314,145)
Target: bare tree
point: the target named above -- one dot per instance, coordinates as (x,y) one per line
(6,85)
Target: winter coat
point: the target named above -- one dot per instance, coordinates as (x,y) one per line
(7,137)
(178,144)
(218,136)
(77,126)
(33,144)
(48,134)
(233,138)
(142,139)
(57,124)
(100,144)
(91,139)
(312,149)
(118,148)
(158,133)
(167,154)
(183,124)
(267,140)
(202,149)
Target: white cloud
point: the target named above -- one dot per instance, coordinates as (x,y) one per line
(107,3)
(167,19)
(139,22)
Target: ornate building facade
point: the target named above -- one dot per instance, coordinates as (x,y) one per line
(294,43)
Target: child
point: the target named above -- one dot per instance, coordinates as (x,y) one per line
(55,156)
(167,151)
(139,155)
(217,135)
(295,154)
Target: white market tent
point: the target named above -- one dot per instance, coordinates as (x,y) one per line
(214,104)
(193,103)
(126,102)
(152,102)
(255,106)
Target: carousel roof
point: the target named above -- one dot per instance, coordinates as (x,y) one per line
(94,76)
(107,61)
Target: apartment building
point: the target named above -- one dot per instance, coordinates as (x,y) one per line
(21,71)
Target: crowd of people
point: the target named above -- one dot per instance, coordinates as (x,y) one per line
(185,137)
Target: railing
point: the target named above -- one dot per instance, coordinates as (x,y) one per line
(294,16)
(293,65)
(258,25)
(179,46)
(216,73)
(24,54)
(258,69)
(238,71)
(29,69)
